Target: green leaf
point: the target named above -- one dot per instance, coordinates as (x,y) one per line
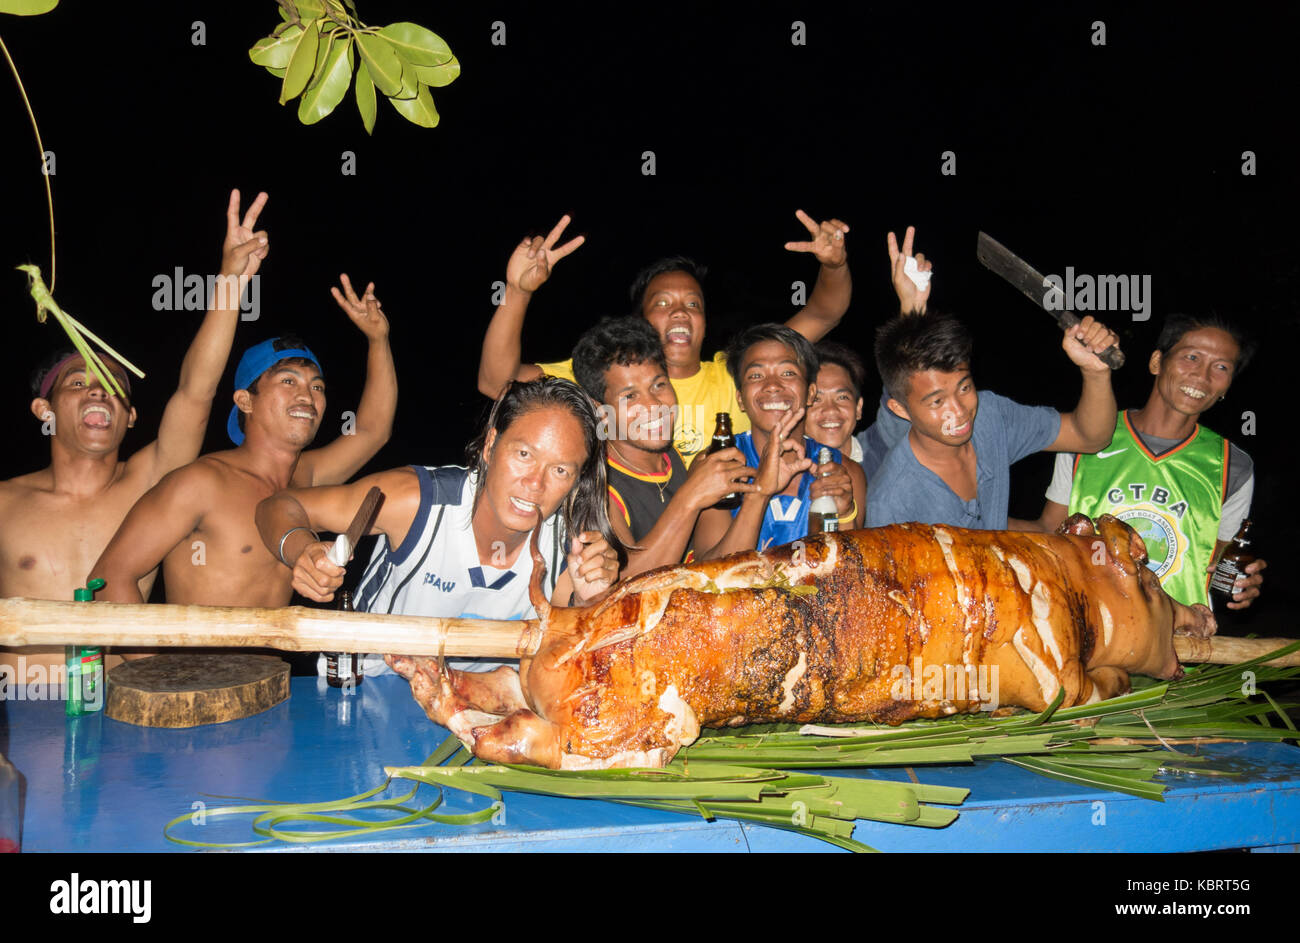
(438,75)
(274,52)
(323,46)
(410,83)
(366,103)
(418,110)
(301,65)
(278,73)
(309,9)
(27,7)
(331,84)
(382,62)
(416,44)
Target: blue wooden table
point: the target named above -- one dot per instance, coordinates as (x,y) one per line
(96,784)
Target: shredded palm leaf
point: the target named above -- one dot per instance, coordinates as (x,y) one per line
(77,333)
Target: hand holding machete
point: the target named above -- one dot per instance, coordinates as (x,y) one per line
(1085,342)
(999,259)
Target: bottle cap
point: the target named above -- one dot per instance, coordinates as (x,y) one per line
(87,593)
(823,456)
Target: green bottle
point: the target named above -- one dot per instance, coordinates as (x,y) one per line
(84,666)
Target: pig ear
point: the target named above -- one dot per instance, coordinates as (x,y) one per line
(1078,525)
(1125,546)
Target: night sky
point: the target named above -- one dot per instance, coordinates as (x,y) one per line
(1117,159)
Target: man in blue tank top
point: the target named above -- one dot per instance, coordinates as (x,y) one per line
(773,366)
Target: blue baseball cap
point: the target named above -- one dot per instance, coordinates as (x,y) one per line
(256,361)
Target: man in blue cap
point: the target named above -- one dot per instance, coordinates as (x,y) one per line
(198,521)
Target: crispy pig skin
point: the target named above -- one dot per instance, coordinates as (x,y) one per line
(736,641)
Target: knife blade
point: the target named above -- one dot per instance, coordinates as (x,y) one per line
(346,542)
(1001,261)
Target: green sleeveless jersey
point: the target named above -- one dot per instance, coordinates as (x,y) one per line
(1173,501)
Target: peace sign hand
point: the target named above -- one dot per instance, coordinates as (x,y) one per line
(366,312)
(243,250)
(783,457)
(827,242)
(531,263)
(911,300)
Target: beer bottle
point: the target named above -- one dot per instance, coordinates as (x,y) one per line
(1231,565)
(823,515)
(344,668)
(723,439)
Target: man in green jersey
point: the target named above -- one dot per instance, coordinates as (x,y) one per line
(1184,488)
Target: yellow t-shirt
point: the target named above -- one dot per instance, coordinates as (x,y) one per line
(699,400)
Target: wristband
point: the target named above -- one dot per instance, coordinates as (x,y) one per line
(286,537)
(852,515)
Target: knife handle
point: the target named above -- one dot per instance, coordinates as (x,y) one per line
(1112,356)
(341,551)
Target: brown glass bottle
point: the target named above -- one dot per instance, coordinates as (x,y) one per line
(1236,557)
(344,668)
(723,439)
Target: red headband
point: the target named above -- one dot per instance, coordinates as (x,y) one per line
(47,381)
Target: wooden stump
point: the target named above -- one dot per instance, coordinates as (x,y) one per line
(187,690)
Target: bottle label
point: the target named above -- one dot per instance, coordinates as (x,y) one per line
(1225,577)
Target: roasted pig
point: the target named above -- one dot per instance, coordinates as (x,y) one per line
(883,625)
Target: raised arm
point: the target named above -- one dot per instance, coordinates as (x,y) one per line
(527,270)
(291,520)
(341,459)
(185,418)
(167,514)
(1092,423)
(834,287)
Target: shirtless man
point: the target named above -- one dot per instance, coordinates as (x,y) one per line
(198,521)
(58,520)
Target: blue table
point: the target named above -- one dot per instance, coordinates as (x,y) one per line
(95,784)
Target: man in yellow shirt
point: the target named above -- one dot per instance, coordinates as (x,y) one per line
(669,295)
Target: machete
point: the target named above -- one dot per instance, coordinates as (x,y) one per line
(1000,260)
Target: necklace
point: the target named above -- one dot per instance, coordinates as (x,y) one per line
(668,474)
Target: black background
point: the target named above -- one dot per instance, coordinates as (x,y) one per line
(1117,159)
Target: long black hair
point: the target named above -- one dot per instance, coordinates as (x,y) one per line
(586,507)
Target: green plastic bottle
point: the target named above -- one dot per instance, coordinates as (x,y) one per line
(84,666)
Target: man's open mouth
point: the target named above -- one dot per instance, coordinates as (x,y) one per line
(523,507)
(97,417)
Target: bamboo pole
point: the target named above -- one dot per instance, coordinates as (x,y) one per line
(299,629)
(290,629)
(1225,650)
